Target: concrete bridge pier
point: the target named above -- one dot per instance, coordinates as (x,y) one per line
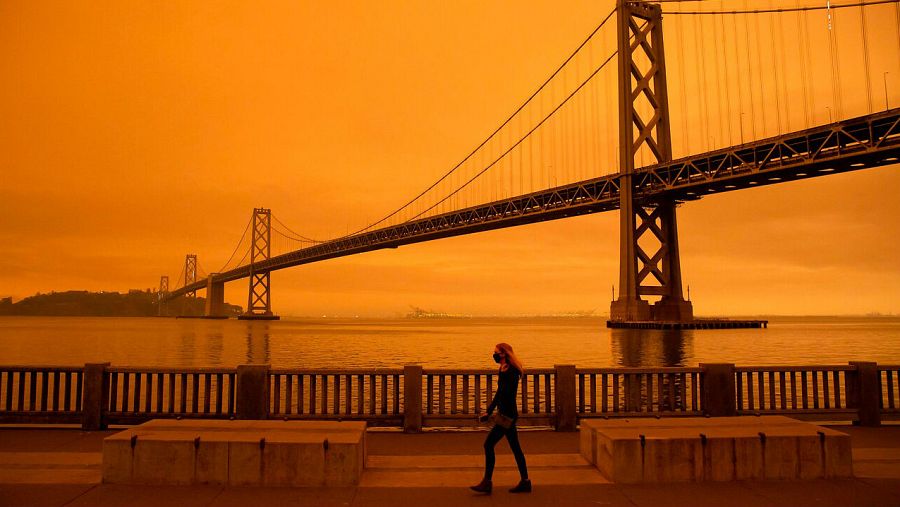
(215,299)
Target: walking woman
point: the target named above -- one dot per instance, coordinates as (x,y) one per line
(505,420)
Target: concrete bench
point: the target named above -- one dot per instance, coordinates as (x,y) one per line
(714,449)
(245,453)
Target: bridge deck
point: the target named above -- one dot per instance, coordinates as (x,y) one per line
(859,143)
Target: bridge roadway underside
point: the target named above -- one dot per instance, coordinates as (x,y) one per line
(859,143)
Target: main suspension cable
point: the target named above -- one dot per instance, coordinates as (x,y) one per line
(494,133)
(781,9)
(233,252)
(521,139)
(296,234)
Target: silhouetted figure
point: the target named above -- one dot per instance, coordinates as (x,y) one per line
(504,421)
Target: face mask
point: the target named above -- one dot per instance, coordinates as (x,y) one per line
(496,357)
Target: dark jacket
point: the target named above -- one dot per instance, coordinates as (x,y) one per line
(505,398)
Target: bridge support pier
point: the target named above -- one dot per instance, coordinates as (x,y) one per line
(644,129)
(215,299)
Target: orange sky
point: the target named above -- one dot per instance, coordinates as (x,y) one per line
(132,133)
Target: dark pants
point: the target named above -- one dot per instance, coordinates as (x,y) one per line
(512,436)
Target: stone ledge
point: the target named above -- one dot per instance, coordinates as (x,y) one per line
(261,453)
(714,449)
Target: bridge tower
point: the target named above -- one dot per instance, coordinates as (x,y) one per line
(259,306)
(644,128)
(190,273)
(161,293)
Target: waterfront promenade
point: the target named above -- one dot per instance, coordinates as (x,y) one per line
(41,466)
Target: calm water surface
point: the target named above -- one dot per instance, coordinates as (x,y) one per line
(336,343)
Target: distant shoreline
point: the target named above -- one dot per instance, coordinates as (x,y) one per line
(134,303)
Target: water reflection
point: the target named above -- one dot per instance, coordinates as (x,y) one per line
(435,343)
(648,347)
(188,345)
(215,345)
(258,342)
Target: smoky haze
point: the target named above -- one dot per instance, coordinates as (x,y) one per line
(134,133)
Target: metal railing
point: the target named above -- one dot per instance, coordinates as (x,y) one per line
(372,395)
(604,392)
(40,394)
(889,378)
(137,394)
(808,391)
(458,396)
(413,397)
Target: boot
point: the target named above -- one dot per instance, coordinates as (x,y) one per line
(524,486)
(482,487)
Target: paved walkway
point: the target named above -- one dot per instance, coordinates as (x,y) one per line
(56,467)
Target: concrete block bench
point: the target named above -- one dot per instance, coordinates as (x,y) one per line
(237,453)
(714,449)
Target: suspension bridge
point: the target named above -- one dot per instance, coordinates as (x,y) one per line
(760,96)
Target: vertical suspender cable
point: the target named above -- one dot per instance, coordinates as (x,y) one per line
(779,29)
(563,133)
(738,80)
(897,15)
(728,115)
(595,130)
(749,77)
(775,67)
(521,172)
(835,64)
(718,83)
(604,123)
(679,41)
(802,32)
(704,86)
(595,169)
(530,153)
(554,164)
(583,140)
(762,94)
(865,43)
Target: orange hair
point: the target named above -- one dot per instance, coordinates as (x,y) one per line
(511,356)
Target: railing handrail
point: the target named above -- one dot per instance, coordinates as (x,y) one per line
(99,393)
(169,370)
(41,367)
(796,368)
(336,371)
(481,371)
(630,370)
(435,371)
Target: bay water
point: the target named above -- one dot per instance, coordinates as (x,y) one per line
(436,342)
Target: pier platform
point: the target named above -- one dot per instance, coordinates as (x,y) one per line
(56,467)
(694,324)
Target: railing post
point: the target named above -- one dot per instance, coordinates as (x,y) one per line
(252,391)
(95,397)
(863,392)
(717,386)
(633,392)
(412,398)
(565,397)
